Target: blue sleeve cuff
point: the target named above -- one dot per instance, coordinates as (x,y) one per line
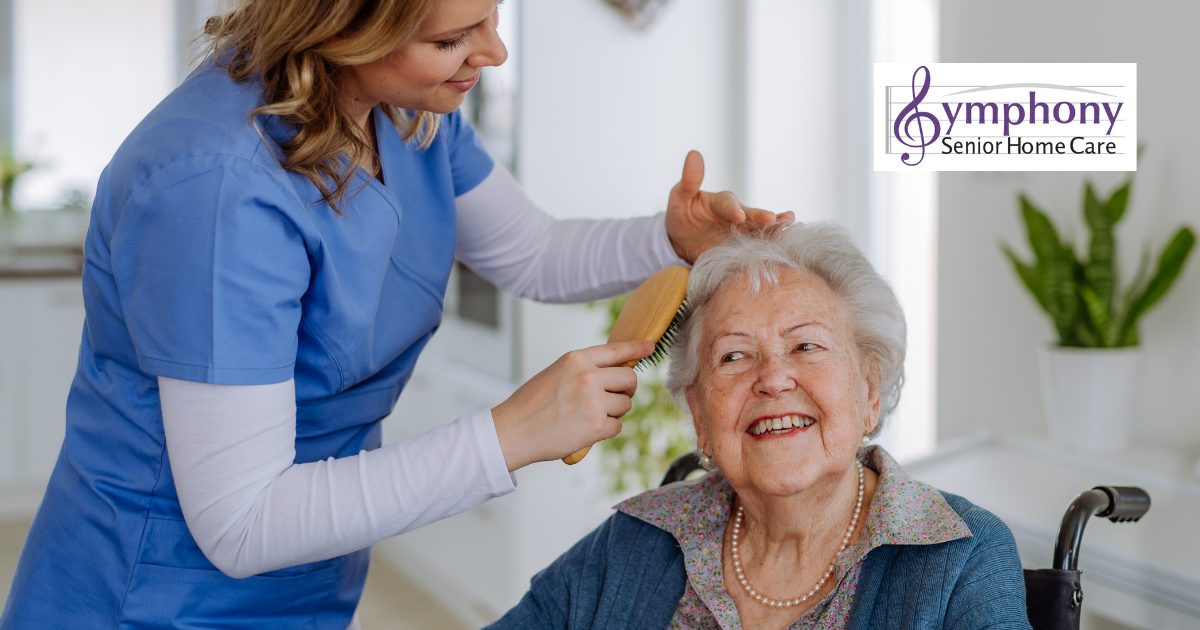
(466,182)
(215,375)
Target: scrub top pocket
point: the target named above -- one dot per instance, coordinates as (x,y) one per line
(166,598)
(175,586)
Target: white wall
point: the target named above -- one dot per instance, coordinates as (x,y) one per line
(608,113)
(989,326)
(792,109)
(86,72)
(607,116)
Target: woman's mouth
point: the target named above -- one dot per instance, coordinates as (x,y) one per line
(781,425)
(464,86)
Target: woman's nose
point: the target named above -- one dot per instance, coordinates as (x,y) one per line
(491,50)
(774,379)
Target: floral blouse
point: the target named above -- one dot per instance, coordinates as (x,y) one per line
(903,511)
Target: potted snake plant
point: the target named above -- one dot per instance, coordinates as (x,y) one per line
(1089,377)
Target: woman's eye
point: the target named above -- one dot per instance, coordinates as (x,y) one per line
(806,347)
(455,43)
(731,356)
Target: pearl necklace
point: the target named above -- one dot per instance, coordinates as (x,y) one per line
(759,597)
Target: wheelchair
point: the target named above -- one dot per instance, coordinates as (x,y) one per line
(1053,597)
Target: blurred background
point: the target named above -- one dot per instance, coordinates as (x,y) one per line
(594,112)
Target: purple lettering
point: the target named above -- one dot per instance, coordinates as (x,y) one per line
(1008,107)
(1112,117)
(951,117)
(981,106)
(1033,105)
(1070,112)
(1083,112)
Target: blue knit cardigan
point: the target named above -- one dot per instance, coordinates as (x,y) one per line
(630,574)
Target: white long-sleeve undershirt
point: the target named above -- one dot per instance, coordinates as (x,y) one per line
(507,239)
(252,509)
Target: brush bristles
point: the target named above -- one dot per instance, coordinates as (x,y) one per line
(664,342)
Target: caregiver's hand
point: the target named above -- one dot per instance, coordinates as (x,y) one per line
(698,220)
(571,404)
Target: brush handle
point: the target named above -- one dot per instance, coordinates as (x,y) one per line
(577,456)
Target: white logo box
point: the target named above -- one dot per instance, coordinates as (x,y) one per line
(1005,117)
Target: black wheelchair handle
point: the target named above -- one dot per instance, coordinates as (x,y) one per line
(681,468)
(1119,504)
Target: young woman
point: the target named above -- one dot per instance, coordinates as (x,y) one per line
(268,255)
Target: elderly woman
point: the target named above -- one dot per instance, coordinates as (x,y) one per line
(791,360)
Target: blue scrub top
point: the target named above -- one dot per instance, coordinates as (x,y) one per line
(206,261)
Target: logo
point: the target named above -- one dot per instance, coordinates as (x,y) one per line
(1006,117)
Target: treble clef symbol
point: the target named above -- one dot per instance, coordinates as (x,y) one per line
(916,117)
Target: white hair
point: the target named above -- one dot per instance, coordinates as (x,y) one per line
(822,249)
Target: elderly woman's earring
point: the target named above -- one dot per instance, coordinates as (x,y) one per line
(706,461)
(866,439)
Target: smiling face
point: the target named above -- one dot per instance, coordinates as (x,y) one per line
(434,70)
(786,355)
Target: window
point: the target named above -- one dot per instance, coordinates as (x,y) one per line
(904,218)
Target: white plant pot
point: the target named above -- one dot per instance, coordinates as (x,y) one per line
(1089,396)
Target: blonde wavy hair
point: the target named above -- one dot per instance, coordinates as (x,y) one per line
(296,47)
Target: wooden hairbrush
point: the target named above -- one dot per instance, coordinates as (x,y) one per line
(653,313)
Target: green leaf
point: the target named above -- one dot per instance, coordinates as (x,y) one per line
(1083,337)
(1043,238)
(1129,338)
(1118,201)
(1100,269)
(1061,278)
(1170,263)
(1083,331)
(1054,265)
(1102,326)
(1121,323)
(1028,275)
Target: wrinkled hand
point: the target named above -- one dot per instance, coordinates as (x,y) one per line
(574,403)
(698,220)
